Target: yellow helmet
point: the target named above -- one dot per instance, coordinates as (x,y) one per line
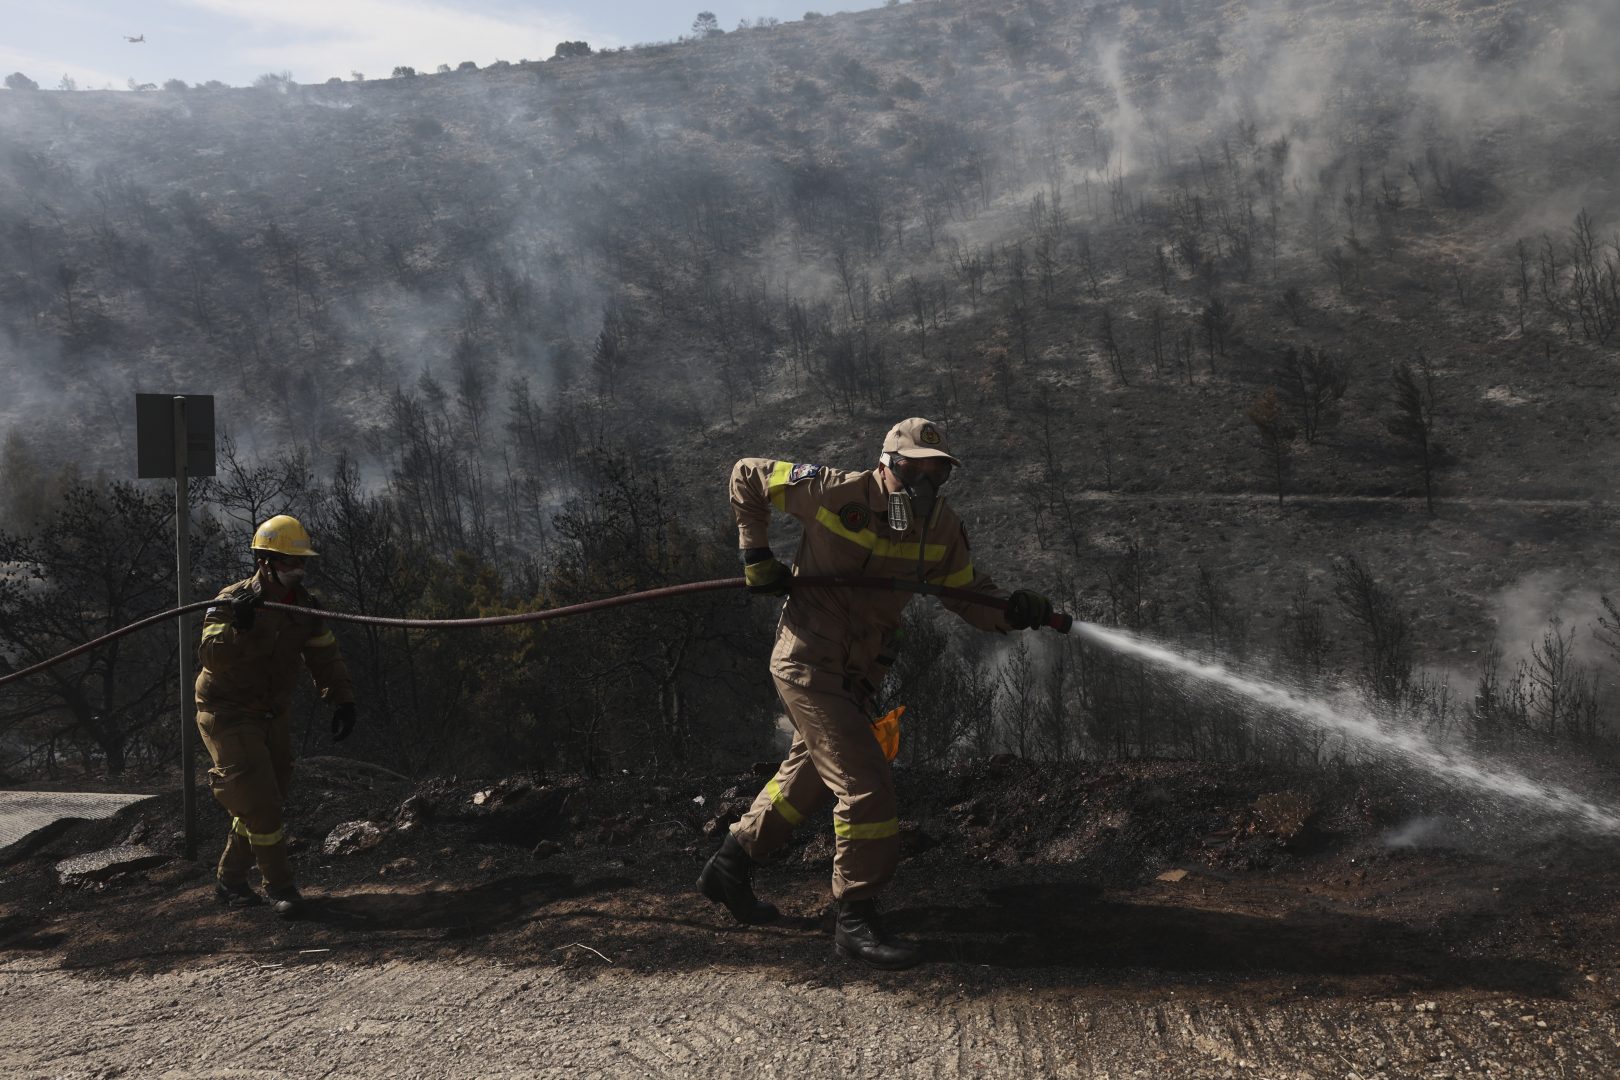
(283,535)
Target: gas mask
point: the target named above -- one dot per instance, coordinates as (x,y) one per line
(288,577)
(917,498)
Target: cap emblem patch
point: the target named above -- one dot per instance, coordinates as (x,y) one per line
(929,435)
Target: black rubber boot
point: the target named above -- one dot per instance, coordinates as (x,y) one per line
(237,895)
(860,936)
(289,904)
(727,879)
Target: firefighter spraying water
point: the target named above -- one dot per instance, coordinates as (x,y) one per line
(833,648)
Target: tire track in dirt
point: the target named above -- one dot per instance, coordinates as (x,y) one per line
(471,1017)
(672,1040)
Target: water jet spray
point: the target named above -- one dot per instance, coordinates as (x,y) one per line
(1456,767)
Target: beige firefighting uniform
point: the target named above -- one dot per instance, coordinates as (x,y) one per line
(244,701)
(833,647)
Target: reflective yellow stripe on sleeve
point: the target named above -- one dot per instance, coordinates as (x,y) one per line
(878,830)
(876,544)
(778,484)
(320,641)
(214,629)
(789,812)
(255,838)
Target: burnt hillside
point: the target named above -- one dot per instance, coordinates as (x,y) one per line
(1156,264)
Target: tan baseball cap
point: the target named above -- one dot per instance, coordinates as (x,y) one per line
(918,438)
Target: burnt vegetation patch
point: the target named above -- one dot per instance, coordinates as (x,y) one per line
(1124,875)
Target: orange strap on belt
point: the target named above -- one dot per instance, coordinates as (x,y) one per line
(886,729)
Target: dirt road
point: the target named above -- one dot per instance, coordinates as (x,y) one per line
(283,1013)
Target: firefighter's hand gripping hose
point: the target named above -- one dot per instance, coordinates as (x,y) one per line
(1058,621)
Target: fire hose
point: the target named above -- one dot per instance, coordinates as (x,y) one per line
(1059,621)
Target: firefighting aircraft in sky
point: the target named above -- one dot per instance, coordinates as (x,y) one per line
(135,40)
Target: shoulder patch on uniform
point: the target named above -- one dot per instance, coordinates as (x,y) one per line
(854,516)
(802,472)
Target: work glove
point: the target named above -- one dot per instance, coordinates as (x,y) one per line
(1027,609)
(342,721)
(242,605)
(765,574)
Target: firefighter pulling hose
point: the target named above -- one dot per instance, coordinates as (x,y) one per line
(249,661)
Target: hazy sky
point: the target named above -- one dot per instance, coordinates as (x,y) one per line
(235,41)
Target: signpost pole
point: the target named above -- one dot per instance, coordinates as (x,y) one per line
(182,567)
(174,436)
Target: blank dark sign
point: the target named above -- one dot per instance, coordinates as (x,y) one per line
(154,435)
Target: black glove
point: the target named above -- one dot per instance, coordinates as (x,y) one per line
(766,576)
(242,605)
(1027,609)
(342,721)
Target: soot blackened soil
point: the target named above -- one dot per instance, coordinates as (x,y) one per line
(1233,879)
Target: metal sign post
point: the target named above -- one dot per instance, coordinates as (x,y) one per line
(174,440)
(182,583)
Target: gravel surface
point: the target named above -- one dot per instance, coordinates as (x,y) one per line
(296,1015)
